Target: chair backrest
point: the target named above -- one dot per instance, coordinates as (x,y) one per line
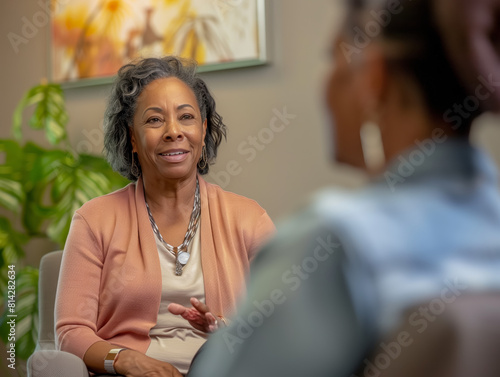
(440,339)
(47,287)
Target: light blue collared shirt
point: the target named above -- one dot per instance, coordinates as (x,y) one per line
(420,231)
(339,275)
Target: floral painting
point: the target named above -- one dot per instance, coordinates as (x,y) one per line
(93,38)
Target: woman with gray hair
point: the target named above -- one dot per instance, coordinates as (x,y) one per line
(150,270)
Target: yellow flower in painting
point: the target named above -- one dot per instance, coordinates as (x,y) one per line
(111,17)
(181,37)
(73,17)
(193,47)
(69,23)
(199,36)
(172,2)
(167,3)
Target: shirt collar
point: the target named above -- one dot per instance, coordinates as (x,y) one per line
(452,159)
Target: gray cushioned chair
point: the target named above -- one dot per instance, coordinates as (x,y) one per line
(47,361)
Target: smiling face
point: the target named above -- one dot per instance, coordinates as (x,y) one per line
(168,132)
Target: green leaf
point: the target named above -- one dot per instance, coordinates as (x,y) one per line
(59,184)
(99,164)
(11,249)
(73,186)
(11,193)
(26,311)
(30,98)
(12,156)
(11,242)
(50,112)
(43,167)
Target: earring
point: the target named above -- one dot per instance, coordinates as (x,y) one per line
(134,169)
(372,145)
(202,164)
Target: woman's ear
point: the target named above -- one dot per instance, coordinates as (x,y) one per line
(374,80)
(132,139)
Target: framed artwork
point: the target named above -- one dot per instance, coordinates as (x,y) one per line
(91,39)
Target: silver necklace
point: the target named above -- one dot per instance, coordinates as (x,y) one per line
(181,252)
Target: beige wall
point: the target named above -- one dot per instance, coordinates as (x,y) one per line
(291,166)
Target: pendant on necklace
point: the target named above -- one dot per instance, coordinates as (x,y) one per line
(178,268)
(183,257)
(178,265)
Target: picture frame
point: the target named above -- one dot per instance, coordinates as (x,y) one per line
(91,39)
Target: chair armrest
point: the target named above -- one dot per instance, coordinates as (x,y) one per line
(50,363)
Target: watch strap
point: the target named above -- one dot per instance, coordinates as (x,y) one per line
(109,360)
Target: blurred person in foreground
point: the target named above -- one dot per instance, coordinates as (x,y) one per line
(339,276)
(150,270)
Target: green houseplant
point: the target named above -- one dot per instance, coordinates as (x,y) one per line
(39,191)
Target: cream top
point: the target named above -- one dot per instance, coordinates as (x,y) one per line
(173,339)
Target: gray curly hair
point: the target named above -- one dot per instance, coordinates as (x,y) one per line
(131,80)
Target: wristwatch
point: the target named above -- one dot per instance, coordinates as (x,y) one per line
(109,360)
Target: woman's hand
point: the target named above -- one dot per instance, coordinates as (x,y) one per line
(131,363)
(199,316)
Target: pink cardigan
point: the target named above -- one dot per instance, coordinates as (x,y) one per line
(110,280)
